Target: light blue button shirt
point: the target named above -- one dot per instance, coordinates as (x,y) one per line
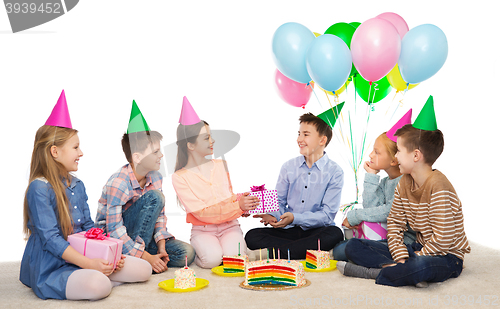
(311,194)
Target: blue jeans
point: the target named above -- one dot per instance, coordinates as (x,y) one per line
(375,254)
(339,251)
(140,219)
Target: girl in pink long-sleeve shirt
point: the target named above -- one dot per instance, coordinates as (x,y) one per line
(204,189)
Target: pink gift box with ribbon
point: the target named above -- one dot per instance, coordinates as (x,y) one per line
(371,230)
(94,244)
(268,200)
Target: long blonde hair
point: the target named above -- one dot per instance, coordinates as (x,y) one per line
(44,165)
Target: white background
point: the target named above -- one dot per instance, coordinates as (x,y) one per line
(218,54)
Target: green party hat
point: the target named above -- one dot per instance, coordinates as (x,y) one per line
(137,123)
(330,115)
(426,120)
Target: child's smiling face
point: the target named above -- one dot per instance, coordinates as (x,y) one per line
(380,158)
(405,157)
(309,140)
(69,154)
(204,145)
(151,157)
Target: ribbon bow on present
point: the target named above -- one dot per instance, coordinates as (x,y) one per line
(95,233)
(258,188)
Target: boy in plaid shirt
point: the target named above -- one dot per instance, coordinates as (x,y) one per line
(131,207)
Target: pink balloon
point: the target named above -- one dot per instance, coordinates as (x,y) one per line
(375,48)
(292,92)
(397,21)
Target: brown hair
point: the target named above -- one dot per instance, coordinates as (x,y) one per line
(430,143)
(322,127)
(44,165)
(391,146)
(138,142)
(186,134)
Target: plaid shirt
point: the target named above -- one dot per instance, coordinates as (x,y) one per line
(119,193)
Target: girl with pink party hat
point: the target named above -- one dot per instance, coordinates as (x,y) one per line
(378,194)
(204,189)
(55,206)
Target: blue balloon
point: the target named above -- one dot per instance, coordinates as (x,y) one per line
(290,44)
(329,62)
(424,50)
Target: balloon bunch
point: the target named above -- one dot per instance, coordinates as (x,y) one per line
(377,55)
(381,50)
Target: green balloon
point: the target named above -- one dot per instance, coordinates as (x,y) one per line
(362,87)
(355,24)
(343,31)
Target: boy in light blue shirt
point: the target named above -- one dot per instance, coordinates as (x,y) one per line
(309,189)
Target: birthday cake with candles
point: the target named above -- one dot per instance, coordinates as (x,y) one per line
(275,272)
(234,263)
(185,278)
(317,259)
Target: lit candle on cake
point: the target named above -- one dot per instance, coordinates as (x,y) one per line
(278,253)
(319,246)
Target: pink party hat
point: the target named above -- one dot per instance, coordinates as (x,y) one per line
(188,115)
(406,119)
(60,114)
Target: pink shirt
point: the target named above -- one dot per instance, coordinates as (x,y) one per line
(207,201)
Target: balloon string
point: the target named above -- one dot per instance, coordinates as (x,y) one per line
(335,114)
(312,88)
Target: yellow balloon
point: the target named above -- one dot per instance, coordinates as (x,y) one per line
(397,82)
(338,91)
(317,34)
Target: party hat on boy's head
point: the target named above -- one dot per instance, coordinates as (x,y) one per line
(137,123)
(330,115)
(426,120)
(406,119)
(60,114)
(188,115)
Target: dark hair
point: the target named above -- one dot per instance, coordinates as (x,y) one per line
(430,143)
(186,134)
(322,127)
(138,142)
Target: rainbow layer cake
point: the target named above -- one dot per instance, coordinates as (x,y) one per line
(234,263)
(275,272)
(317,259)
(185,278)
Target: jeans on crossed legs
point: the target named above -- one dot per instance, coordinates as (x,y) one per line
(375,254)
(140,219)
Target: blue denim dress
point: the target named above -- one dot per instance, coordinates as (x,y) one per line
(42,266)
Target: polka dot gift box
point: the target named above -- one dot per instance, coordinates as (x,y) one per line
(268,200)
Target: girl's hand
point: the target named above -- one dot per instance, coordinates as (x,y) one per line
(101,265)
(120,263)
(248,202)
(368,169)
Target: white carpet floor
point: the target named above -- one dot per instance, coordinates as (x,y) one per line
(477,287)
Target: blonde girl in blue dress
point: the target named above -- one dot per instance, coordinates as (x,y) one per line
(55,206)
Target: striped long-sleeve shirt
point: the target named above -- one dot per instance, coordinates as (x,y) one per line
(433,211)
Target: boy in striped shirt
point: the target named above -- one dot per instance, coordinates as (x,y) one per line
(425,201)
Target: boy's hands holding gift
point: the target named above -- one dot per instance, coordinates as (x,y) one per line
(266,219)
(286,219)
(348,225)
